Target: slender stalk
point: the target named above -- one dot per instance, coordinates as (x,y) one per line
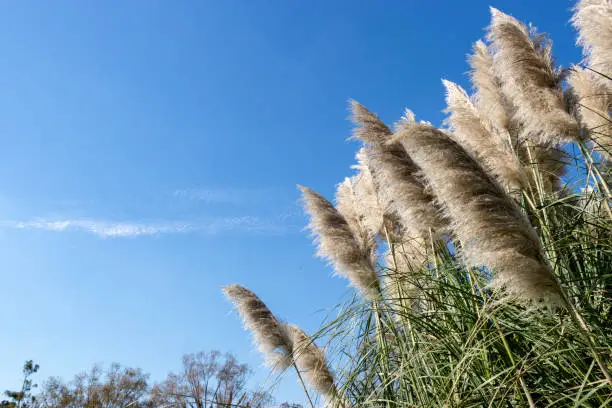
(586,333)
(598,178)
(303,385)
(504,341)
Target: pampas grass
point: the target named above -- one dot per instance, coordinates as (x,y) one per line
(313,365)
(270,335)
(523,62)
(594,106)
(489,97)
(593,20)
(473,133)
(364,196)
(346,246)
(492,284)
(396,176)
(490,226)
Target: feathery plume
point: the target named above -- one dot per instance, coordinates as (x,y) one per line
(348,205)
(352,255)
(593,20)
(269,333)
(529,80)
(594,105)
(313,365)
(491,227)
(489,97)
(365,194)
(470,130)
(505,124)
(369,129)
(395,175)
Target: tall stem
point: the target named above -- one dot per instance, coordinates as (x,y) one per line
(586,332)
(303,385)
(504,341)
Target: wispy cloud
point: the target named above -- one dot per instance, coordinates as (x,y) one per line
(112,229)
(226,195)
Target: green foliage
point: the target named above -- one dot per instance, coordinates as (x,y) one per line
(23,398)
(442,338)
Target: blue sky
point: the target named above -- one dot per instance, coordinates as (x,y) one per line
(150,151)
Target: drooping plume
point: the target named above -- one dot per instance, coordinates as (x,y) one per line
(523,62)
(594,105)
(472,133)
(352,255)
(593,20)
(270,335)
(396,176)
(312,364)
(490,226)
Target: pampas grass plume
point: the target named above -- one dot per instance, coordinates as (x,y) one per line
(593,20)
(352,256)
(396,176)
(490,226)
(270,335)
(524,65)
(489,97)
(313,366)
(594,105)
(471,132)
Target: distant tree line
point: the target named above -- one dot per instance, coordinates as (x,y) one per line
(206,380)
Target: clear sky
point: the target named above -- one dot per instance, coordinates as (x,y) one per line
(149,152)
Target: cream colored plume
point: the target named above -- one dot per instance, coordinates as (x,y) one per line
(313,366)
(491,103)
(593,20)
(524,65)
(270,335)
(352,252)
(490,226)
(474,134)
(366,198)
(594,106)
(489,97)
(396,177)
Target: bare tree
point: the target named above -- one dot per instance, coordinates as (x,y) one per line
(118,387)
(208,379)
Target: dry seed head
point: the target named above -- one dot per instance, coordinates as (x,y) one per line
(352,256)
(395,176)
(593,20)
(490,226)
(370,129)
(524,65)
(471,132)
(489,97)
(268,332)
(313,366)
(365,194)
(594,106)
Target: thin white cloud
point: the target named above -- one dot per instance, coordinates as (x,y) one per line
(225,195)
(111,229)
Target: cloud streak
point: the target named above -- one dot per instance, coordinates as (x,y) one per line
(225,195)
(117,229)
